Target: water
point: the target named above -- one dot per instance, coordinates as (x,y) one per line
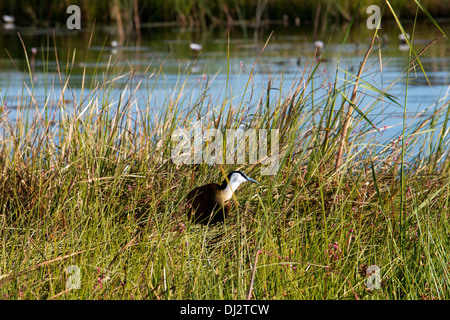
(168,49)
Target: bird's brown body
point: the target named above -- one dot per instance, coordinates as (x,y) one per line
(207,204)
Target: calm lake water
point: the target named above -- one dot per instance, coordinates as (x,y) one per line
(168,49)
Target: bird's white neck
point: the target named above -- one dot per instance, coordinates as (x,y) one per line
(230,188)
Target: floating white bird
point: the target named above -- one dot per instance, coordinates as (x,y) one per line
(318,44)
(8,19)
(402,38)
(195,47)
(403,43)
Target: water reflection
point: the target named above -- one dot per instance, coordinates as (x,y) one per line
(183,54)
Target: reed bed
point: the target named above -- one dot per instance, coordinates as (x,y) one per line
(89,192)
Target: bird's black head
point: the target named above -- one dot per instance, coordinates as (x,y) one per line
(236,178)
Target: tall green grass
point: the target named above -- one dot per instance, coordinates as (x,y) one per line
(90,183)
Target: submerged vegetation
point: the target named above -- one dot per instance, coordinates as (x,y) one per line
(89,192)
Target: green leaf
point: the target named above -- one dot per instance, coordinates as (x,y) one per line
(357,109)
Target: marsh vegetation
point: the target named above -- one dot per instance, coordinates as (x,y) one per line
(88,181)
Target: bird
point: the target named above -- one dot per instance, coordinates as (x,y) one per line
(33,62)
(209,204)
(318,46)
(9,22)
(195,48)
(404,38)
(8,19)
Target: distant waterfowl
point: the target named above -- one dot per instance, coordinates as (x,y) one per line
(33,63)
(195,48)
(318,45)
(114,44)
(208,204)
(403,41)
(402,38)
(8,19)
(9,22)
